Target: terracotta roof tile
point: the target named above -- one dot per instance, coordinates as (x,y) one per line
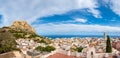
(59,55)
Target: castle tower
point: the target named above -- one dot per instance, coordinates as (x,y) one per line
(105,37)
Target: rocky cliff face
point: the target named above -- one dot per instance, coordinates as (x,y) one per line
(23,25)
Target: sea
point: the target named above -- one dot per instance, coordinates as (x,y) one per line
(80,36)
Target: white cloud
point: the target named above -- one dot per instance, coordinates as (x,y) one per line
(115,6)
(92,5)
(113,20)
(80,20)
(33,9)
(95,13)
(73,28)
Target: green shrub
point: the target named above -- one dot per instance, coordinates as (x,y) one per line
(49,48)
(45,49)
(42,41)
(79,49)
(6,47)
(40,48)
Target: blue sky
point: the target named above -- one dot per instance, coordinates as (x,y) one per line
(64,17)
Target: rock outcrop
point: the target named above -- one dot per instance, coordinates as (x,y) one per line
(19,29)
(23,25)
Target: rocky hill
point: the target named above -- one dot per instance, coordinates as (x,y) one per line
(23,25)
(7,41)
(19,29)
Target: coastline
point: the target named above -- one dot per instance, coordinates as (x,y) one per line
(78,36)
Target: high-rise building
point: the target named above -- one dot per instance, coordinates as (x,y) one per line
(105,36)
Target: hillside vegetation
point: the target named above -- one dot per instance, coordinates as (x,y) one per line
(19,29)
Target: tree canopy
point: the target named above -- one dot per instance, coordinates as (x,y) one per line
(108,45)
(45,49)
